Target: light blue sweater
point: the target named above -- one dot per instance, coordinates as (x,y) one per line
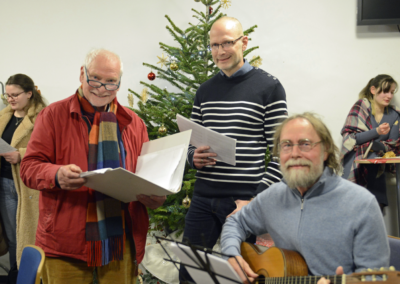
(335,223)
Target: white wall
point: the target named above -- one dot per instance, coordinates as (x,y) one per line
(313,46)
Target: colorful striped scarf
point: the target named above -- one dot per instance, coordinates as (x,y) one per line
(105,220)
(357,121)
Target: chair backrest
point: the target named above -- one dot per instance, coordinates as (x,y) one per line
(394,244)
(31,265)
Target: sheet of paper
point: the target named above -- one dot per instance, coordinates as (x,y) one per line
(5,147)
(218,265)
(223,146)
(164,158)
(159,167)
(122,184)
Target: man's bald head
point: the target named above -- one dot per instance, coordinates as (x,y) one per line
(227,44)
(230,24)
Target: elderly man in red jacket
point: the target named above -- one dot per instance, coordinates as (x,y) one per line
(81,230)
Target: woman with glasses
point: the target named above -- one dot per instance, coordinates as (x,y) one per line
(16,125)
(371,129)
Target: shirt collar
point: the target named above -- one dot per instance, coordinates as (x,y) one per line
(243,70)
(326,182)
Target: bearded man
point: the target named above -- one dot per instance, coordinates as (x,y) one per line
(334,224)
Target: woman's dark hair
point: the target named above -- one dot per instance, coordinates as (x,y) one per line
(381,83)
(27,84)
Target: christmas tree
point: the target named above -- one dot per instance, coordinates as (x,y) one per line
(186,67)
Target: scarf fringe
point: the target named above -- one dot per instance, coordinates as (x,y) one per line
(101,253)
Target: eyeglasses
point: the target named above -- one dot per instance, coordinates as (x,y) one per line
(224,45)
(304,146)
(98,84)
(10,96)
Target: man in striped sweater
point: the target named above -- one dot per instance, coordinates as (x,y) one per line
(246,104)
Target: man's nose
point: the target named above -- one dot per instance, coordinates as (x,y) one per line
(296,152)
(221,50)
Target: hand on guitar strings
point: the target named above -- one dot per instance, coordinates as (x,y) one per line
(239,205)
(244,266)
(323,280)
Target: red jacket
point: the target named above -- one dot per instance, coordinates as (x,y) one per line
(60,137)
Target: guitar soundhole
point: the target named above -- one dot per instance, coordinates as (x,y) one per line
(263,274)
(260,279)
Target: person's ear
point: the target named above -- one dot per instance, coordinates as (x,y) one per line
(372,90)
(82,76)
(245,41)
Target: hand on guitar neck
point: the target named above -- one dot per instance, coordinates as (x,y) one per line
(323,280)
(251,275)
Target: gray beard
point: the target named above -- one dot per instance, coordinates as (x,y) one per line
(302,177)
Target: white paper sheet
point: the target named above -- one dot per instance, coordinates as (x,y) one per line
(162,159)
(223,146)
(159,167)
(5,147)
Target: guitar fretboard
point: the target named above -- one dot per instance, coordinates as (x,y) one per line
(337,279)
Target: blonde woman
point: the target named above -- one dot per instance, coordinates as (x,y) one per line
(16,125)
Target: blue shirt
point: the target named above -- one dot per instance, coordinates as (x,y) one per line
(243,70)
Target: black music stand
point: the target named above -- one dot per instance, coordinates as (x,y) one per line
(201,263)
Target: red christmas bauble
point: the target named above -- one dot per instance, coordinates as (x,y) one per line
(210,10)
(151,76)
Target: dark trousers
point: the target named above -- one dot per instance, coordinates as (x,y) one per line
(377,186)
(203,224)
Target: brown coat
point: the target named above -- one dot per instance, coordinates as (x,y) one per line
(28,199)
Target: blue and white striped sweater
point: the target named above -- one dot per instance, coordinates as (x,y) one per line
(246,108)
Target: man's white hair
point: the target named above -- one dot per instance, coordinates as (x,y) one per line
(107,53)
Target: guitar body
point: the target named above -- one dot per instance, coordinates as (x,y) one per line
(275,265)
(273,262)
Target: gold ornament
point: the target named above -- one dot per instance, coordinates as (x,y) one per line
(144,95)
(256,63)
(162,130)
(186,201)
(163,60)
(225,3)
(130,100)
(173,66)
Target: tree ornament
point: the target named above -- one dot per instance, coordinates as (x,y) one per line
(162,130)
(163,60)
(173,66)
(225,3)
(130,100)
(144,95)
(256,62)
(151,76)
(210,10)
(186,201)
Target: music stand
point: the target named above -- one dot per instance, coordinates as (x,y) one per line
(201,264)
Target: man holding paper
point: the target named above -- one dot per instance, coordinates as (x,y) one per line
(81,230)
(243,103)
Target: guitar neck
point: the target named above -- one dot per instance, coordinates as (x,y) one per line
(391,277)
(336,279)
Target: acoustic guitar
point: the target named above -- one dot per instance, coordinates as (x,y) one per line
(280,266)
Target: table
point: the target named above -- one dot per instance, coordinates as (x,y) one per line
(388,161)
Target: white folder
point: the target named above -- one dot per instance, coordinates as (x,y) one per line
(159,171)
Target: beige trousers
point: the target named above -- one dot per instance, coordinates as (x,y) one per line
(66,270)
